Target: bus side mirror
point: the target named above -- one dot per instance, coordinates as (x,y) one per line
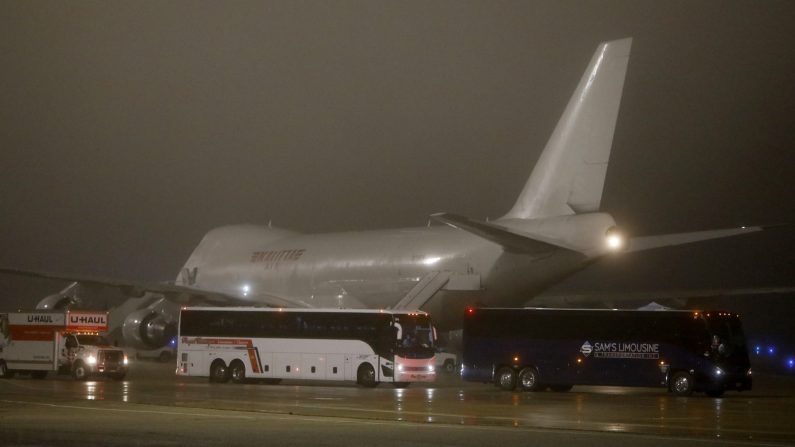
(398,331)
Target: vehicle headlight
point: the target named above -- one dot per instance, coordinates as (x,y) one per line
(749,372)
(125,361)
(718,372)
(431,368)
(400,368)
(91,360)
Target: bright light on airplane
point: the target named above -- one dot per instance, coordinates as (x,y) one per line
(614,239)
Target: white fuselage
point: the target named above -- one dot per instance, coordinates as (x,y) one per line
(376,269)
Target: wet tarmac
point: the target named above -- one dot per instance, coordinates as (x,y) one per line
(154,407)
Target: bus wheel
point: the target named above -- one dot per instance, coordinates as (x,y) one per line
(365,376)
(38,375)
(560,388)
(219,372)
(4,371)
(238,371)
(449,366)
(79,371)
(682,383)
(401,384)
(528,379)
(506,378)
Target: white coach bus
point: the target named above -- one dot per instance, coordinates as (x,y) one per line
(366,346)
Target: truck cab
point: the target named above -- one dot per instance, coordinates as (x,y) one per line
(86,354)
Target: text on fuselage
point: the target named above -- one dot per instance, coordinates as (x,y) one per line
(272,259)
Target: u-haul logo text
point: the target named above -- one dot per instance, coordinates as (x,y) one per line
(87,319)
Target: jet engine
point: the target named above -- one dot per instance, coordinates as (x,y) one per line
(61,300)
(148,328)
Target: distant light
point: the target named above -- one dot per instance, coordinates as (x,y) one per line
(431,260)
(758,349)
(771,350)
(246,288)
(791,363)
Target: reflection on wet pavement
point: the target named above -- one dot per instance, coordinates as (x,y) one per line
(758,415)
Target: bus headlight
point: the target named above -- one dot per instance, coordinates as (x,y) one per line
(91,360)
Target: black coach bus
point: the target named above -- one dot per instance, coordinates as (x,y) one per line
(536,349)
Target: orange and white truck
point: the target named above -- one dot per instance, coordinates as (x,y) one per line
(38,343)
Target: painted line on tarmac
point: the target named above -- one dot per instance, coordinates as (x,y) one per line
(407,424)
(123,410)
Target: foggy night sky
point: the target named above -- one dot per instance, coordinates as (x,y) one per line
(129,129)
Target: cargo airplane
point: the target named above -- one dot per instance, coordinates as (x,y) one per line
(554,229)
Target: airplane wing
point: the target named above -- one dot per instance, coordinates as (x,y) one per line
(498,234)
(667,240)
(610,299)
(172,292)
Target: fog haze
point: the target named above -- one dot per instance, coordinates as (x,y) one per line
(129,129)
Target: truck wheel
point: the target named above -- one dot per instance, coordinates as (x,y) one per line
(529,380)
(219,372)
(4,371)
(79,371)
(237,370)
(38,375)
(682,383)
(506,378)
(449,366)
(365,376)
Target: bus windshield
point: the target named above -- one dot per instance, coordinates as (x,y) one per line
(727,337)
(416,339)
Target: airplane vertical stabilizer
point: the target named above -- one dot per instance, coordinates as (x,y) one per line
(570,174)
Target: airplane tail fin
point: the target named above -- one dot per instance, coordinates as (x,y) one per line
(570,174)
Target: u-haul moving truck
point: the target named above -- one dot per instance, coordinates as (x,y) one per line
(40,342)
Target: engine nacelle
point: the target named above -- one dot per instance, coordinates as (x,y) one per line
(148,329)
(61,300)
